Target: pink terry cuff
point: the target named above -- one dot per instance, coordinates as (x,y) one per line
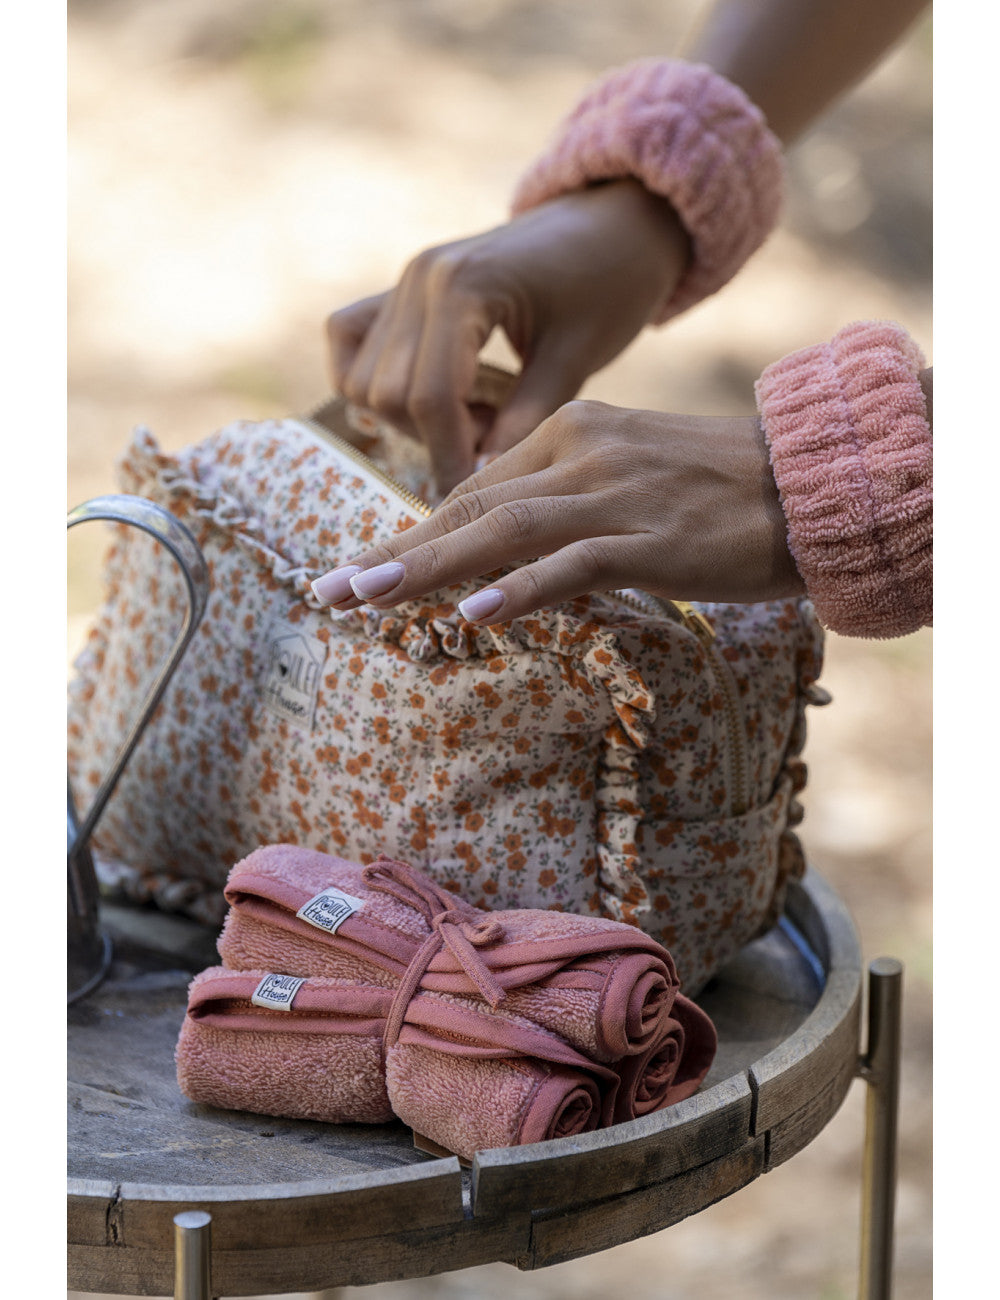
(850,445)
(687,134)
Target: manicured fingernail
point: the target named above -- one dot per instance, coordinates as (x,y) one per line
(335,586)
(481,605)
(378,581)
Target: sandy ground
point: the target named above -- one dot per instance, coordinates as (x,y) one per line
(238,169)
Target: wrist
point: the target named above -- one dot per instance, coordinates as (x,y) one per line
(778,574)
(649,226)
(689,136)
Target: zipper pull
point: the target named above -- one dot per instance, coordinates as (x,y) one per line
(694,620)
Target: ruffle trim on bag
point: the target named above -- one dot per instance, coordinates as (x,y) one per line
(425,632)
(209,501)
(598,663)
(623,891)
(793,774)
(592,651)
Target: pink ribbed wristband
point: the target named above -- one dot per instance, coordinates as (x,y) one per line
(687,134)
(850,444)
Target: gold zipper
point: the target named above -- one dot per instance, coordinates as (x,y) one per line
(415,503)
(737,731)
(695,621)
(679,610)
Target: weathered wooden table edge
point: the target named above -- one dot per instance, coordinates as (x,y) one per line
(530,1206)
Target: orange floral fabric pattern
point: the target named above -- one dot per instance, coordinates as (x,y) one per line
(598,757)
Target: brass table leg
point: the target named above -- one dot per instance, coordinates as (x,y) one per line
(879,1067)
(193,1255)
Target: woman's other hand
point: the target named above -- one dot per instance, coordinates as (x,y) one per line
(596,498)
(571,283)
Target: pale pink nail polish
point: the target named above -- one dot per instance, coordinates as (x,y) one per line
(481,605)
(378,581)
(333,587)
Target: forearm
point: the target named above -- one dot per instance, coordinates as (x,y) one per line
(793,58)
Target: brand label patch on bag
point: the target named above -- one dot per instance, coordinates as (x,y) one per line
(293,669)
(330,909)
(277,992)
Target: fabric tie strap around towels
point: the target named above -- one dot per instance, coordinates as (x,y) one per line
(414,889)
(602,983)
(525,992)
(461,936)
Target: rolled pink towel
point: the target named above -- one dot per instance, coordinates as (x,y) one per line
(320,1059)
(602,985)
(318,1054)
(467,1104)
(670,1069)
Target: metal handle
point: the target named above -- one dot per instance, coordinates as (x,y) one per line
(88,949)
(90,952)
(161,525)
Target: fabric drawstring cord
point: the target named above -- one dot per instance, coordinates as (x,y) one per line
(454,925)
(400,881)
(454,930)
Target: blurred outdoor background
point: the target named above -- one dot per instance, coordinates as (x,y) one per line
(241,167)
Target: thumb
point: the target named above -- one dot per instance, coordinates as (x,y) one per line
(345,332)
(548,381)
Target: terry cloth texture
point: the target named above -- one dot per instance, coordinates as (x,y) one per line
(688,134)
(323,1059)
(851,449)
(517,1099)
(497,1028)
(601,985)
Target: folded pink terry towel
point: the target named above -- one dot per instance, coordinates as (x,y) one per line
(517,1099)
(320,1058)
(603,986)
(492,1028)
(313,1049)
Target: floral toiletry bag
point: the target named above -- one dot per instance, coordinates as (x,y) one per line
(619,755)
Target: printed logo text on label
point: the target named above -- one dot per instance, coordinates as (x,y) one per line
(293,669)
(277,992)
(330,909)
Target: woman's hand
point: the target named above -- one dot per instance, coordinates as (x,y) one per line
(571,283)
(681,506)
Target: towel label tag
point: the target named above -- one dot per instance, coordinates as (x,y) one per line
(330,909)
(293,670)
(277,992)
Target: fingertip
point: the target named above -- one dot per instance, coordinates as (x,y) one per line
(482,605)
(333,587)
(379,581)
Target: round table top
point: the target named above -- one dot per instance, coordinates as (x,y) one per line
(302,1206)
